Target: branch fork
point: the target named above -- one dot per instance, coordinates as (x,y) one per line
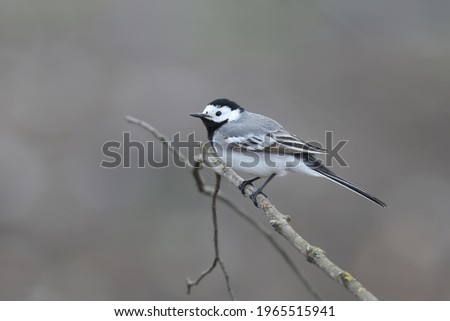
(278,220)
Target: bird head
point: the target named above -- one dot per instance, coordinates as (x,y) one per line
(219,111)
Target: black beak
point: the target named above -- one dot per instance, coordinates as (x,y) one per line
(200,115)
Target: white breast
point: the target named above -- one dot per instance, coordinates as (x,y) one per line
(263,164)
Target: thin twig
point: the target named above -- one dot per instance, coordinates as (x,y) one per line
(217,258)
(280,223)
(159,136)
(216,234)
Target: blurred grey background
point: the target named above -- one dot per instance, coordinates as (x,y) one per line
(374,72)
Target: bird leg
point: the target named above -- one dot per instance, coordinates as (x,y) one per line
(244,184)
(259,190)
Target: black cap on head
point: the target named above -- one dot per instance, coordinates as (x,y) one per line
(226,102)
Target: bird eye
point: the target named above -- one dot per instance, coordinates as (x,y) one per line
(218,113)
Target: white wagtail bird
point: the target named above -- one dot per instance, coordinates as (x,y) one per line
(258,145)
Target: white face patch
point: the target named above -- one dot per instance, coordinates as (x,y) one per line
(219,114)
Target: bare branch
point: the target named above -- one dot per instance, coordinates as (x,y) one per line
(217,258)
(208,190)
(280,223)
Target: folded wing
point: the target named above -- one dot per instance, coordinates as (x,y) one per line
(277,141)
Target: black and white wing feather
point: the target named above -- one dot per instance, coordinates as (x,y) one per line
(291,144)
(280,141)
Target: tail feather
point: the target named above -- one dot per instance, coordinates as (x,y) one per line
(317,166)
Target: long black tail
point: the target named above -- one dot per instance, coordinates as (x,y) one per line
(317,165)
